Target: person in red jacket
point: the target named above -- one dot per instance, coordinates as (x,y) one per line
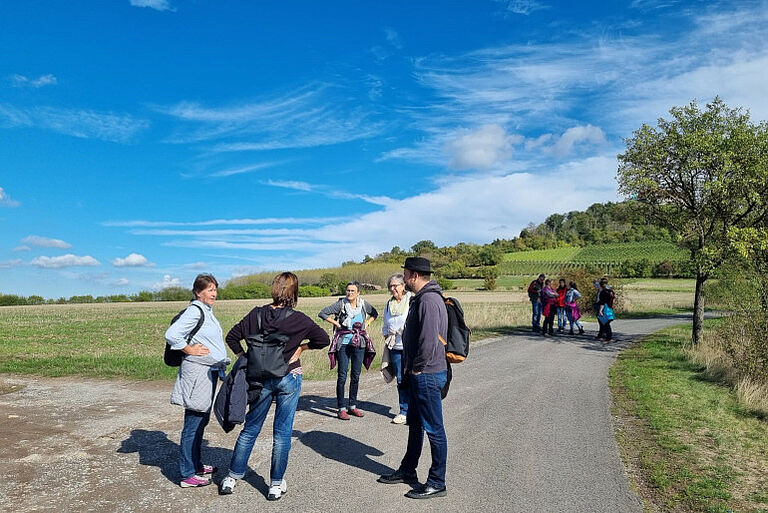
(561,290)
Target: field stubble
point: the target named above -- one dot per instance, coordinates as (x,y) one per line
(126,339)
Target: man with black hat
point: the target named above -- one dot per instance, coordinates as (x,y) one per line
(425,370)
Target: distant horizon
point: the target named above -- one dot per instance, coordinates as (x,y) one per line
(143,142)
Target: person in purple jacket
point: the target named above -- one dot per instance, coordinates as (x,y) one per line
(426,368)
(284,391)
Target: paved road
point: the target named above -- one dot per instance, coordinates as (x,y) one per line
(528,423)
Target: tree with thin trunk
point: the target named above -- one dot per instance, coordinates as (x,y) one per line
(700,173)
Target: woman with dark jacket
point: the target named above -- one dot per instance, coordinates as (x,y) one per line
(280,320)
(350,317)
(604,307)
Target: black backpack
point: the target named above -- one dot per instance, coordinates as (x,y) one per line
(265,352)
(173,357)
(457,344)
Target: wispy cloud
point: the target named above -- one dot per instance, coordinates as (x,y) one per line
(7,264)
(132,260)
(291,184)
(246,169)
(158,5)
(45,242)
(68,260)
(42,80)
(309,117)
(85,124)
(22,248)
(224,222)
(326,191)
(588,90)
(524,7)
(6,200)
(393,38)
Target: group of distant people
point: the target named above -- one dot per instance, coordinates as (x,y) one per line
(415,319)
(548,302)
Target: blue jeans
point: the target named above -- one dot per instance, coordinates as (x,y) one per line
(286,392)
(560,317)
(191,442)
(569,314)
(345,354)
(536,308)
(396,356)
(426,414)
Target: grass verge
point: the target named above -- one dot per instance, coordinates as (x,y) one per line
(687,441)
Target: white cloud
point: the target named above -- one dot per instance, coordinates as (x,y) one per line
(481,149)
(159,5)
(68,260)
(122,282)
(168,281)
(6,200)
(7,264)
(85,124)
(197,266)
(45,242)
(563,145)
(132,260)
(22,248)
(43,80)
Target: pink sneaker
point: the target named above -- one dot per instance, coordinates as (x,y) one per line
(206,469)
(195,482)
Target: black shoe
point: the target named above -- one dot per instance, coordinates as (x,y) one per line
(570,332)
(427,492)
(581,331)
(398,476)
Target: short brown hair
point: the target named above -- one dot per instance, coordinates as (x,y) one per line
(202,282)
(285,290)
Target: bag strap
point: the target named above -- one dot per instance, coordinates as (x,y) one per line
(199,324)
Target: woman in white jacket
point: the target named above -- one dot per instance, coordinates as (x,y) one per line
(395,314)
(205,358)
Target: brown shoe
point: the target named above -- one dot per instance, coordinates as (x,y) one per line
(356,412)
(343,415)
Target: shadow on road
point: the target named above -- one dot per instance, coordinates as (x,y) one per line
(344,450)
(326,406)
(156,450)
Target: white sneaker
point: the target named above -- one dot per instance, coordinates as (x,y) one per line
(400,419)
(277,491)
(227,485)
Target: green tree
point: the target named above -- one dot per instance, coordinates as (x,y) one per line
(699,173)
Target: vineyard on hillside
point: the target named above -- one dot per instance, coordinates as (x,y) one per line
(620,259)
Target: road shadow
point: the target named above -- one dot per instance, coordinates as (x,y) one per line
(157,450)
(326,406)
(343,449)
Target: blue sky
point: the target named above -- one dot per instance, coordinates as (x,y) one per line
(145,141)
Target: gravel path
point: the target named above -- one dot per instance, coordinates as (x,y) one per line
(528,422)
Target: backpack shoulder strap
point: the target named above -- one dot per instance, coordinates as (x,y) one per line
(199,324)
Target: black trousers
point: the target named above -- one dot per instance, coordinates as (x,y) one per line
(605,330)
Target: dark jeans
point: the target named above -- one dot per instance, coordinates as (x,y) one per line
(425,413)
(345,355)
(397,362)
(191,442)
(605,330)
(549,321)
(536,308)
